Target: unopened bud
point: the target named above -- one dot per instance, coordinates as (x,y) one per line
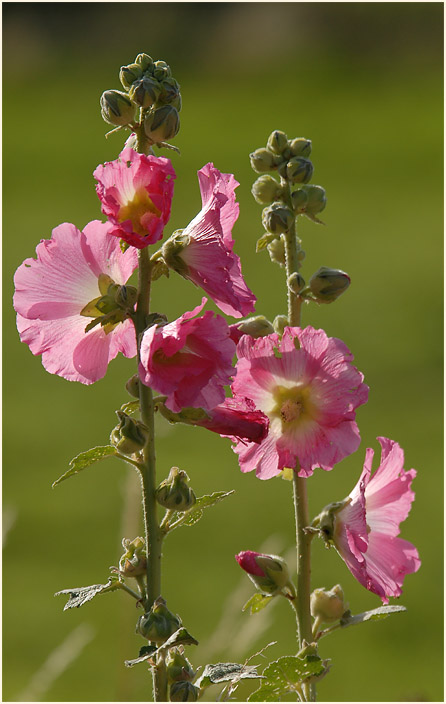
(116,108)
(295,282)
(159,623)
(183,692)
(172,249)
(328,606)
(174,493)
(269,573)
(299,170)
(300,146)
(257,326)
(132,386)
(162,124)
(277,142)
(130,435)
(309,200)
(133,563)
(178,667)
(277,218)
(266,189)
(280,322)
(263,160)
(145,61)
(144,92)
(276,250)
(170,93)
(327,285)
(129,74)
(161,70)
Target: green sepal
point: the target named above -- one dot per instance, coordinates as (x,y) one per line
(286,675)
(85,459)
(256,603)
(81,595)
(145,654)
(374,615)
(189,518)
(264,241)
(130,407)
(226,672)
(123,246)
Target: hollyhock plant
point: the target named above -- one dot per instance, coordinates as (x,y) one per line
(309,390)
(203,252)
(74,279)
(136,195)
(189,360)
(364,527)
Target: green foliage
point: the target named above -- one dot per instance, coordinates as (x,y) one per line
(256,603)
(85,459)
(226,672)
(145,654)
(80,595)
(264,241)
(130,407)
(374,615)
(286,675)
(189,518)
(180,637)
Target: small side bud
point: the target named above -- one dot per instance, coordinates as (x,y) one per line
(171,251)
(299,170)
(144,92)
(133,563)
(263,160)
(309,200)
(277,142)
(162,124)
(129,74)
(183,692)
(327,285)
(266,189)
(277,218)
(328,606)
(132,386)
(280,322)
(295,282)
(174,493)
(145,61)
(159,623)
(161,70)
(178,667)
(269,573)
(116,108)
(276,250)
(170,93)
(300,146)
(257,326)
(130,435)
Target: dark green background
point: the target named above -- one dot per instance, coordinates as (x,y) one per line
(364,82)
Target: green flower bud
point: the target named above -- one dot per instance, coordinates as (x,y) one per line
(269,573)
(126,296)
(277,142)
(178,667)
(266,189)
(277,218)
(130,435)
(161,70)
(116,108)
(183,692)
(257,326)
(129,74)
(327,285)
(162,124)
(144,92)
(325,521)
(299,200)
(132,386)
(263,160)
(299,170)
(159,623)
(300,146)
(295,282)
(309,200)
(133,563)
(174,493)
(145,61)
(280,322)
(172,249)
(276,250)
(170,93)
(328,606)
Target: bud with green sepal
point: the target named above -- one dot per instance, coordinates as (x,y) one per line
(277,142)
(324,522)
(159,623)
(309,200)
(295,282)
(299,170)
(276,251)
(178,666)
(129,74)
(262,160)
(162,124)
(144,92)
(277,218)
(116,108)
(300,146)
(269,573)
(280,322)
(130,435)
(266,190)
(132,386)
(183,692)
(170,93)
(174,493)
(161,70)
(326,285)
(145,61)
(133,563)
(256,326)
(327,606)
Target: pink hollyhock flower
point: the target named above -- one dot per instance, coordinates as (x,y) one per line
(203,252)
(73,270)
(237,419)
(309,390)
(136,194)
(189,360)
(364,527)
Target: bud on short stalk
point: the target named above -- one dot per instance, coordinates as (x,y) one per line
(133,563)
(328,605)
(266,189)
(257,326)
(129,435)
(178,667)
(277,142)
(300,146)
(327,284)
(162,124)
(309,200)
(145,61)
(132,386)
(116,108)
(280,322)
(277,218)
(174,493)
(129,74)
(295,282)
(276,251)
(263,160)
(269,573)
(161,70)
(299,170)
(159,623)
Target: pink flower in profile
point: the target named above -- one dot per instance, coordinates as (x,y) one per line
(136,194)
(365,529)
(56,296)
(309,390)
(189,360)
(237,419)
(203,252)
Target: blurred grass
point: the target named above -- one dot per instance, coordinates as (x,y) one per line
(364,82)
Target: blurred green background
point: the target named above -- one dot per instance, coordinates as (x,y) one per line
(364,82)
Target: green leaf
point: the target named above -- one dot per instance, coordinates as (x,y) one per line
(257,602)
(130,407)
(80,595)
(180,637)
(226,672)
(189,518)
(287,674)
(145,654)
(264,241)
(85,459)
(374,615)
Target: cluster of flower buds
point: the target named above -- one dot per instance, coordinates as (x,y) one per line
(158,624)
(130,435)
(133,563)
(269,573)
(174,493)
(180,675)
(148,85)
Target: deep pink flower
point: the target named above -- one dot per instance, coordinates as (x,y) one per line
(269,573)
(52,290)
(203,252)
(365,529)
(136,194)
(309,390)
(247,561)
(189,360)
(237,419)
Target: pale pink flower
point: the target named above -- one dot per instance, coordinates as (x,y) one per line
(365,529)
(52,290)
(189,360)
(136,195)
(309,390)
(203,252)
